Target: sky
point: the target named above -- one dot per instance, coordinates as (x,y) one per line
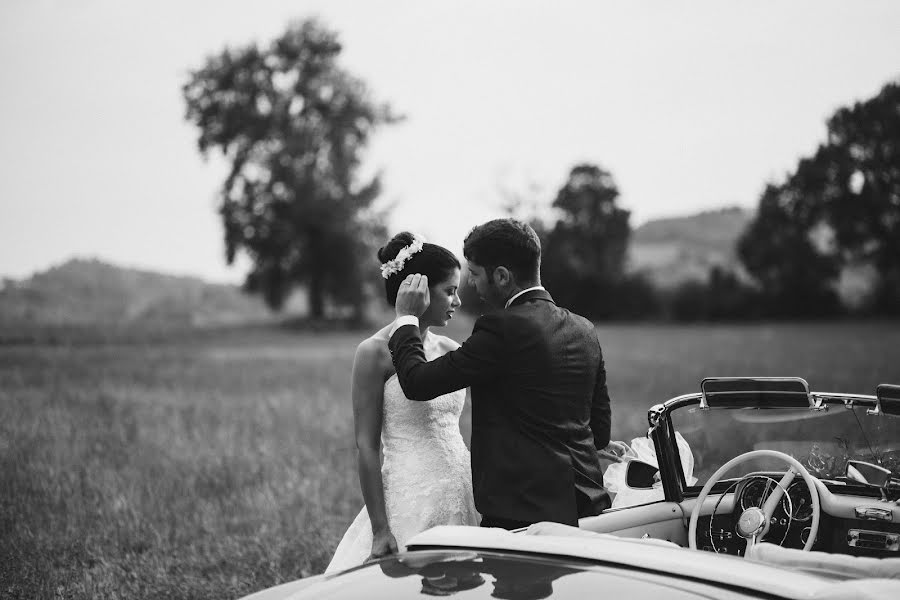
(690,105)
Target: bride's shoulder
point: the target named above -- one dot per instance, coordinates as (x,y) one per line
(374,347)
(446,344)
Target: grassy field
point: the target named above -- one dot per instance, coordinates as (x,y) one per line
(214,466)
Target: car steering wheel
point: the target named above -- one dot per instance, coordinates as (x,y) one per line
(753,523)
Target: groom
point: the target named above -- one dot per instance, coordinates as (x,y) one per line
(540,408)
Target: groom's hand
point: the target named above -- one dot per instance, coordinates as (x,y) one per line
(413,297)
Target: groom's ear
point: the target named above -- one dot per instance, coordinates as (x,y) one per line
(501,276)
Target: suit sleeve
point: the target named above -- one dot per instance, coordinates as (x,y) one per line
(479,359)
(600,409)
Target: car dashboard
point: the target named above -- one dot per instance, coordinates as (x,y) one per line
(853,521)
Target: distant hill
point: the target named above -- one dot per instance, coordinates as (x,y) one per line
(671,251)
(89,292)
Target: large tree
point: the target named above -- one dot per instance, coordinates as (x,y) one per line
(839,209)
(292,124)
(860,188)
(584,251)
(789,253)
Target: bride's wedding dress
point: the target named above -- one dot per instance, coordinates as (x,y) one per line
(426,471)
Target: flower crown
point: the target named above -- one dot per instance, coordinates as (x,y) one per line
(395,265)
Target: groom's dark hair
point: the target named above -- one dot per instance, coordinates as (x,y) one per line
(433,261)
(505,243)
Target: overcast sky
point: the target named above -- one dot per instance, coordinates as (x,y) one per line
(691,106)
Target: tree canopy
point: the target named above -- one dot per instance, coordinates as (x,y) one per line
(584,250)
(292,124)
(839,209)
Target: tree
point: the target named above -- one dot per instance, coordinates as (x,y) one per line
(839,209)
(292,125)
(860,188)
(795,269)
(584,251)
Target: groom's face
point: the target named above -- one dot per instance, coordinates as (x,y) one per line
(484,285)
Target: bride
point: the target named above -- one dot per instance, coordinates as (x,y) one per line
(426,478)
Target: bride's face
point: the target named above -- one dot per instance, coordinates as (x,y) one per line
(444,301)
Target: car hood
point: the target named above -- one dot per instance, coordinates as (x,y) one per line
(493,563)
(644,554)
(485,574)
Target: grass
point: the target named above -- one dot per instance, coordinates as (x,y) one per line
(214,466)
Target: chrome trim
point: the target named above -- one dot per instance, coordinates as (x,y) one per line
(850,400)
(804,534)
(675,402)
(873,513)
(873,540)
(658,411)
(751,523)
(845,398)
(654,417)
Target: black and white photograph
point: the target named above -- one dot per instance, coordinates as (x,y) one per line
(504,299)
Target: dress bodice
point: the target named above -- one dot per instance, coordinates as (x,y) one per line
(411,426)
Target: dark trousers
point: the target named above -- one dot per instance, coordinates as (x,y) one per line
(488,521)
(589,508)
(586,508)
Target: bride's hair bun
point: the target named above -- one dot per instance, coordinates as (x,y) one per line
(390,250)
(433,261)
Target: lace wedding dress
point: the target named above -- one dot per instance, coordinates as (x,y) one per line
(426,471)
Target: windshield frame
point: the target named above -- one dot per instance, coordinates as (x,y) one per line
(662,432)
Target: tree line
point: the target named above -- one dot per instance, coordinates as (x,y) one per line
(834,218)
(292,124)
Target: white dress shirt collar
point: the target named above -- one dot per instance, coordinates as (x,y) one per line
(526,290)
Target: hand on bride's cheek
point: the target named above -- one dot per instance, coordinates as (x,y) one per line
(413,296)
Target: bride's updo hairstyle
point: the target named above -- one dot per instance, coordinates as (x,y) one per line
(435,262)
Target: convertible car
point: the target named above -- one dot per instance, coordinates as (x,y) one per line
(752,488)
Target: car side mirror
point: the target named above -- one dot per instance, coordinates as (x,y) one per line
(868,473)
(640,475)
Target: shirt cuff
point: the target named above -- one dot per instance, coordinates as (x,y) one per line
(404,320)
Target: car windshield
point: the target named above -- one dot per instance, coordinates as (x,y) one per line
(823,441)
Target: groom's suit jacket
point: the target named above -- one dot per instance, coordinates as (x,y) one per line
(540,407)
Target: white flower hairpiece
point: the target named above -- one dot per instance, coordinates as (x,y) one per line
(395,265)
